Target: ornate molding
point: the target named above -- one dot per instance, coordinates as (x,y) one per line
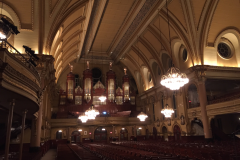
(137,20)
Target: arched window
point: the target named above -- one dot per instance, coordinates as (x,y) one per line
(163,107)
(153,112)
(97,75)
(192,96)
(77,83)
(174,106)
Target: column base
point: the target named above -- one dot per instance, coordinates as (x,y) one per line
(34,149)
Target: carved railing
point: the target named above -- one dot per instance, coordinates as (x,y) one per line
(17,79)
(19,57)
(224,98)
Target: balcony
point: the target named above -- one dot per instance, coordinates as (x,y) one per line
(19,80)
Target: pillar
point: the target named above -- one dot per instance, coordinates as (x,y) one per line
(36,132)
(203,103)
(135,131)
(68,135)
(9,126)
(113,132)
(22,134)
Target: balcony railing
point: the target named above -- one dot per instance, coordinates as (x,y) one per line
(19,57)
(225,97)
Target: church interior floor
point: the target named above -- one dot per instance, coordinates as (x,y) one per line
(50,155)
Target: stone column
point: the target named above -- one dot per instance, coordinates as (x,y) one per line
(9,126)
(203,103)
(36,139)
(68,135)
(113,132)
(22,134)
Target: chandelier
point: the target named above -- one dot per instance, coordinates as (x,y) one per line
(91,113)
(4,30)
(83,118)
(167,111)
(142,116)
(174,79)
(102,98)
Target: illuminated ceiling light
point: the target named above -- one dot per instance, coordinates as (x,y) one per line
(123,128)
(167,111)
(102,98)
(4,30)
(142,116)
(80,130)
(92,113)
(83,118)
(174,79)
(103,129)
(140,128)
(2,36)
(60,131)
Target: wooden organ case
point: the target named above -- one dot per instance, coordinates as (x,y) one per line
(76,100)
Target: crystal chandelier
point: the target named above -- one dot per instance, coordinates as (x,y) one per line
(142,116)
(83,118)
(4,30)
(167,111)
(174,79)
(102,98)
(91,113)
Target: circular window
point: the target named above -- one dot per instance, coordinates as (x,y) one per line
(224,50)
(184,55)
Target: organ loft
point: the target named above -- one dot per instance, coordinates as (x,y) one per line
(119,79)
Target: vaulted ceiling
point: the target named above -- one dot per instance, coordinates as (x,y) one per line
(134,33)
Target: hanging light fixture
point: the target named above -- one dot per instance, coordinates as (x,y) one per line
(83,118)
(91,113)
(167,111)
(142,116)
(102,98)
(173,79)
(4,29)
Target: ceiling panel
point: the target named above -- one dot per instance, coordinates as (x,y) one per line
(114,16)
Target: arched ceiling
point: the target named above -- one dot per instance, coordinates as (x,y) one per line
(134,33)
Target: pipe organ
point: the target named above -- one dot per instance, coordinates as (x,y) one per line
(77,99)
